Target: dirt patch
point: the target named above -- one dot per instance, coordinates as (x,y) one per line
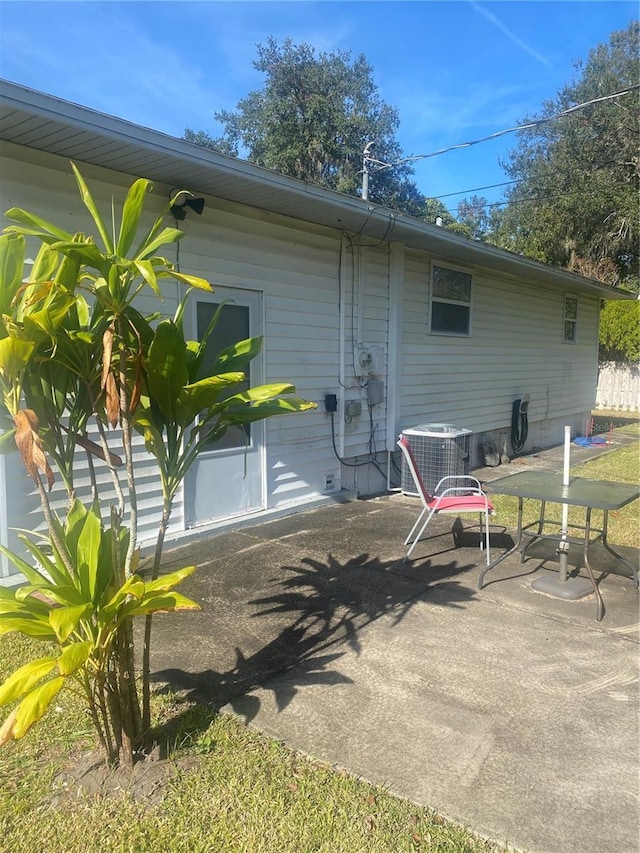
(90,777)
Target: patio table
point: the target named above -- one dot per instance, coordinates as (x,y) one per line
(547,487)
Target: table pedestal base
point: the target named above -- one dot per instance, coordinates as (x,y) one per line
(571,589)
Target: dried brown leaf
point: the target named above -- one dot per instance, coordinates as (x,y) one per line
(30,445)
(112,400)
(107,350)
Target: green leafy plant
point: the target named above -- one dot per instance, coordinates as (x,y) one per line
(82,612)
(75,356)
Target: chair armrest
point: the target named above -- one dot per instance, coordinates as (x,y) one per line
(472,483)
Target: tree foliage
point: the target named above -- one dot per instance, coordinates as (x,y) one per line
(575,203)
(620,331)
(312,120)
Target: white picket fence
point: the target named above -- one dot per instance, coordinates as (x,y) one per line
(618,387)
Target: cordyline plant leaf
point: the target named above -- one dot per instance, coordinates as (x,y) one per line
(84,252)
(112,400)
(237,356)
(167,235)
(73,657)
(12,248)
(83,537)
(169,581)
(14,354)
(131,211)
(202,395)
(25,678)
(30,626)
(64,620)
(167,367)
(148,273)
(163,602)
(46,321)
(268,408)
(30,445)
(60,577)
(45,265)
(191,280)
(34,706)
(36,226)
(91,206)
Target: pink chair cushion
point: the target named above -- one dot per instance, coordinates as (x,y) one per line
(467,503)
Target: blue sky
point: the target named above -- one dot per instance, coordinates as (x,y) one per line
(456,71)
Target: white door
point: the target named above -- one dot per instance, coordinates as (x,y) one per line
(227,479)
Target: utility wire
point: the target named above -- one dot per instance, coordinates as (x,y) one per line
(524,180)
(542,196)
(475,189)
(381,165)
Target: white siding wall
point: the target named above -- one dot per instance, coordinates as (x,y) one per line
(515,348)
(46,186)
(297,269)
(366,310)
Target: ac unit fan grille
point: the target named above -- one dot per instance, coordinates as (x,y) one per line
(435,457)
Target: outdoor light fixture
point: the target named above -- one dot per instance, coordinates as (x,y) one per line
(183,199)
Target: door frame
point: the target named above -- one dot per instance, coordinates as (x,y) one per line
(254,300)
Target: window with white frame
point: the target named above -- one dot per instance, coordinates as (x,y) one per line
(570,319)
(450,301)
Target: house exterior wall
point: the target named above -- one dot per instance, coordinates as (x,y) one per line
(44,185)
(297,271)
(325,297)
(515,348)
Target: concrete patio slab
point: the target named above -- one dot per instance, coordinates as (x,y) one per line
(509,711)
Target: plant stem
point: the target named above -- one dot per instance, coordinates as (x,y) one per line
(51,526)
(146,649)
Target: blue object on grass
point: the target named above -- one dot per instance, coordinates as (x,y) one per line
(590,441)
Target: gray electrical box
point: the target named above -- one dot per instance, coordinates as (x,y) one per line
(375,392)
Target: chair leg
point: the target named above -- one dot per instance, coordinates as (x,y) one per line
(415,526)
(422,529)
(486,533)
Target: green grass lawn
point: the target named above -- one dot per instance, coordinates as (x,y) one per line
(619,465)
(235,791)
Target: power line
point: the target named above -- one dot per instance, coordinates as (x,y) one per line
(381,165)
(542,196)
(547,176)
(475,189)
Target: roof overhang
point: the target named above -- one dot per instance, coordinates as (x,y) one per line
(45,123)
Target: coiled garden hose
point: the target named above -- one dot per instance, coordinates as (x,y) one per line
(519,425)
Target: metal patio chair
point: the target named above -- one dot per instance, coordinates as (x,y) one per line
(454,495)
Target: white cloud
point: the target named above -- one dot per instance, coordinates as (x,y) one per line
(493,19)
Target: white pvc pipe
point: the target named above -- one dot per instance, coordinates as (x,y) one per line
(567,455)
(565,507)
(565,477)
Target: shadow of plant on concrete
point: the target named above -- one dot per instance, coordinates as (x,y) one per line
(305,617)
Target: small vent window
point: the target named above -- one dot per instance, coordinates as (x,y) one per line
(570,319)
(450,301)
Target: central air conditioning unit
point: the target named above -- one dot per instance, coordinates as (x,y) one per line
(439,450)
